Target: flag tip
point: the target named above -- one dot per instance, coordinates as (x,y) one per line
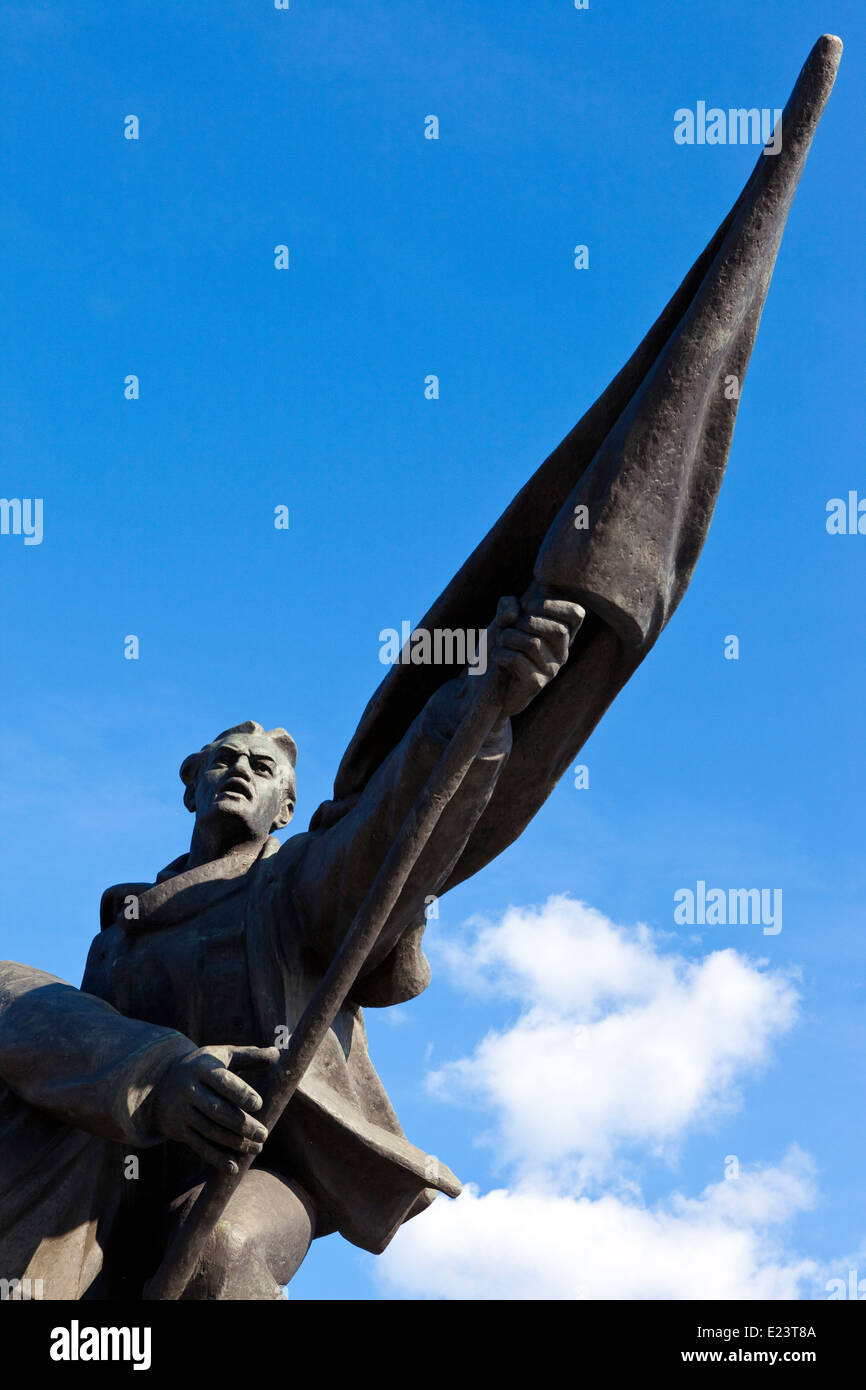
(830,45)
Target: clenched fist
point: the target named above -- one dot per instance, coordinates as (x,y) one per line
(532,643)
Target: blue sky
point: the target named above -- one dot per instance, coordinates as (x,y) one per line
(305,387)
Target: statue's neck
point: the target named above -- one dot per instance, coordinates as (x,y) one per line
(204,848)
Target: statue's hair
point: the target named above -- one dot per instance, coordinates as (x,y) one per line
(190,768)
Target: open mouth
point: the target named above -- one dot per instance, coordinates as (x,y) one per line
(236,788)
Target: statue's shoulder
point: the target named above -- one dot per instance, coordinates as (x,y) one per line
(120,898)
(283,858)
(106,950)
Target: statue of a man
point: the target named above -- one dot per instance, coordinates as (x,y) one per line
(112,1098)
(227,947)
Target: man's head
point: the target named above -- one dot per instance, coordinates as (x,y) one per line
(242,785)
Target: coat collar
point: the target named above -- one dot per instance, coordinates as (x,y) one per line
(180,893)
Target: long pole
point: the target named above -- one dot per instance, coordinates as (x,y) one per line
(188,1243)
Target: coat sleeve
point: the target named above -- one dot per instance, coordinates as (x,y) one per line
(73,1057)
(321,892)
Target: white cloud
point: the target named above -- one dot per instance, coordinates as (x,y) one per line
(617,1045)
(563,954)
(620,1046)
(526,1244)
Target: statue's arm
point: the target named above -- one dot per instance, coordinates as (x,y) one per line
(73,1056)
(323,892)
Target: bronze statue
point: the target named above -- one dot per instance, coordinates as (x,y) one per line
(128,1108)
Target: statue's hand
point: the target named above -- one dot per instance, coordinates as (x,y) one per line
(532,643)
(201,1103)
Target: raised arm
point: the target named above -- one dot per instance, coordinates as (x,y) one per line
(324,889)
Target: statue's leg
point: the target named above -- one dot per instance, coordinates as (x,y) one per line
(259,1241)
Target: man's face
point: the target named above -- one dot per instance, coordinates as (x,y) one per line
(244,780)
